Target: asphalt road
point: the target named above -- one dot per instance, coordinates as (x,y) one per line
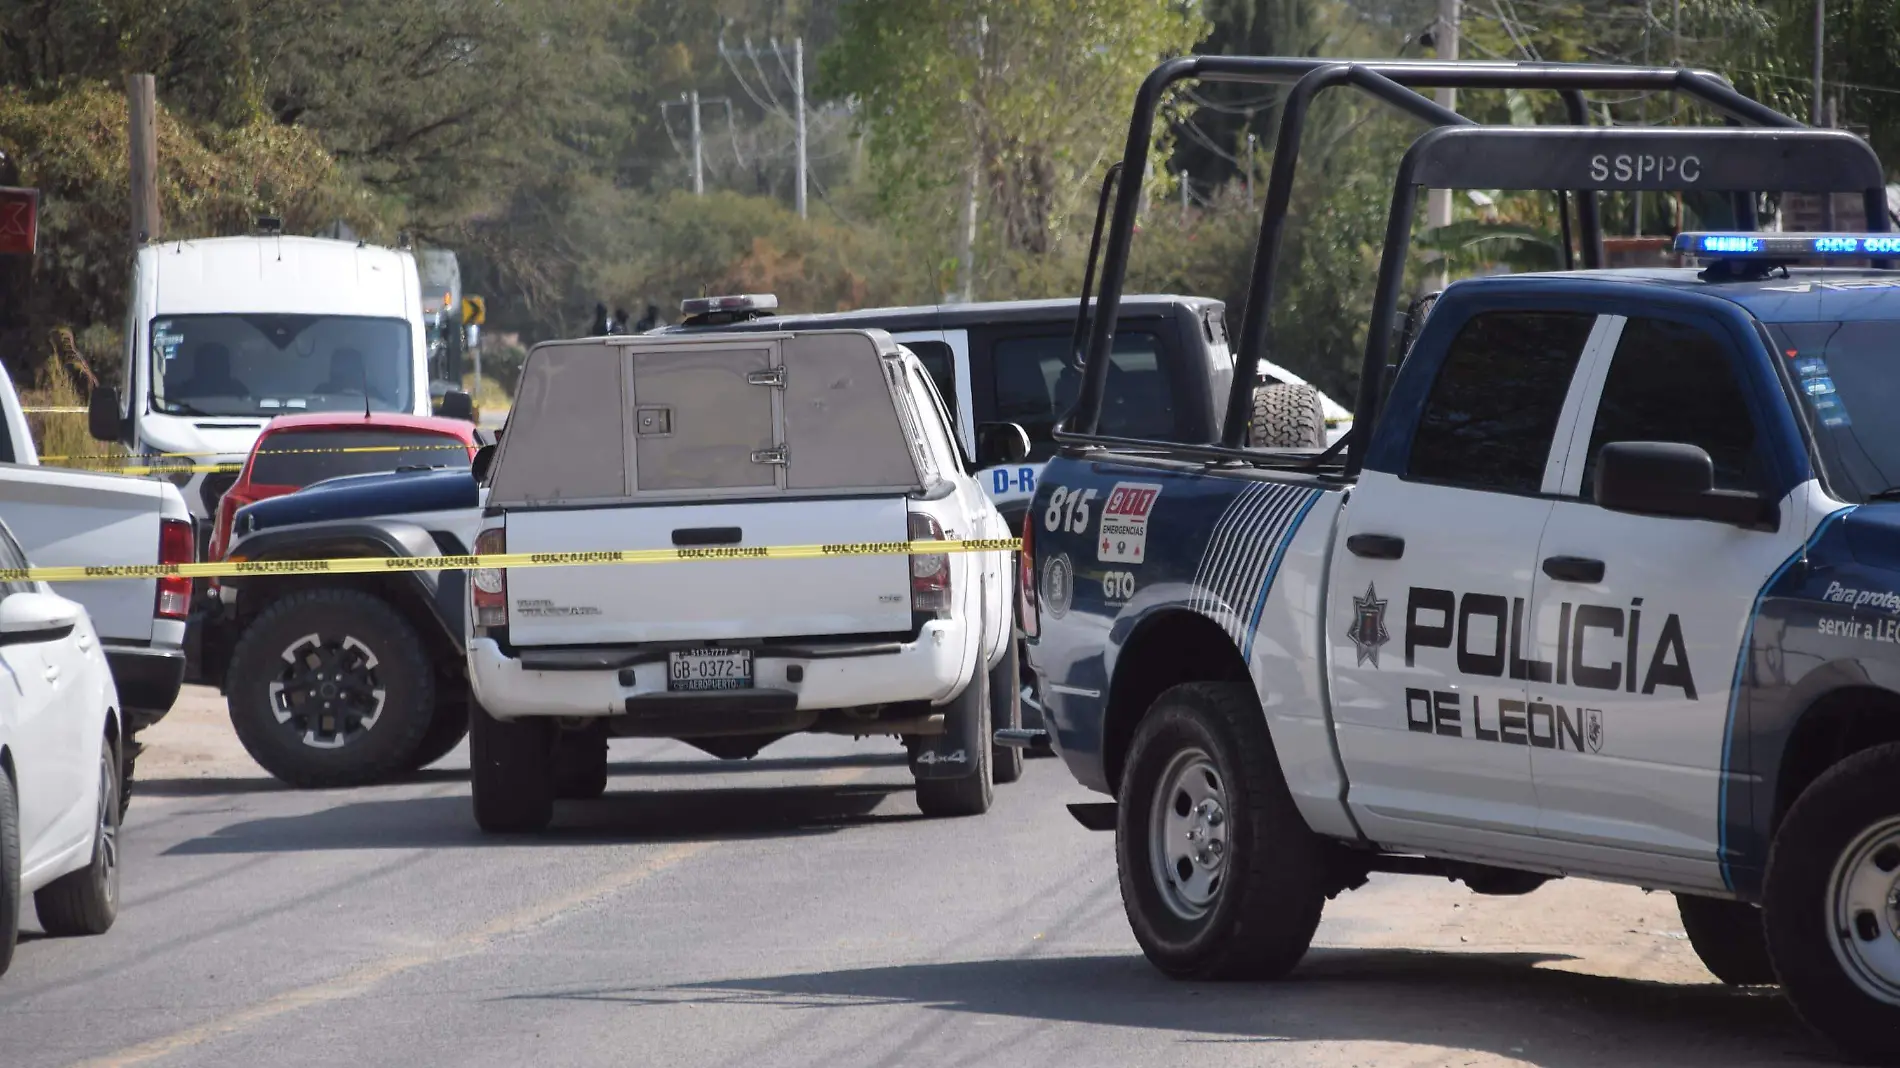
(794,910)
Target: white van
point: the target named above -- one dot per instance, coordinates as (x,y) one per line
(222,334)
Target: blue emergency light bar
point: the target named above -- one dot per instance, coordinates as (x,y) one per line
(1764,246)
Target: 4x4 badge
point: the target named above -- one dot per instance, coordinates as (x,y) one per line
(1368,631)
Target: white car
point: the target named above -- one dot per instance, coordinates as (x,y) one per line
(59,763)
(717,445)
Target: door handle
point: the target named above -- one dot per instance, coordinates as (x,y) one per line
(1376,546)
(1574,569)
(685,536)
(52,673)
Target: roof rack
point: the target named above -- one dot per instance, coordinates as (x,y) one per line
(1459,153)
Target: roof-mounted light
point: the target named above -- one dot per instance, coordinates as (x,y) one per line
(1769,246)
(743,302)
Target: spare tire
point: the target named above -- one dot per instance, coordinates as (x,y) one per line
(1287,417)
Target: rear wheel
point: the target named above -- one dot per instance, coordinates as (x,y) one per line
(1832,904)
(1006,711)
(1728,937)
(9,870)
(511,771)
(331,687)
(1220,876)
(85,902)
(969,794)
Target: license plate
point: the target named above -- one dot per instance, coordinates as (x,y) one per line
(709,669)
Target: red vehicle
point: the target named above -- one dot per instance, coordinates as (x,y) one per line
(296,450)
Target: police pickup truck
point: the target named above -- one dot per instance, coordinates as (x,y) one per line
(1610,589)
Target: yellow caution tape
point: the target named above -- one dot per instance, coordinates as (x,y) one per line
(375,564)
(267,452)
(64,410)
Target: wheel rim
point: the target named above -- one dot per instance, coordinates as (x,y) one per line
(1864,910)
(108,851)
(328,690)
(1188,834)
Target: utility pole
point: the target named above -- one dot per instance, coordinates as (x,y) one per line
(1438,201)
(1250,151)
(1821,118)
(141,97)
(1184,198)
(798,87)
(699,164)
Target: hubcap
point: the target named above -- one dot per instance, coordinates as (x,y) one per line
(1187,834)
(328,690)
(1864,911)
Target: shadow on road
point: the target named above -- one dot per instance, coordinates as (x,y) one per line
(1500,1003)
(212,786)
(629,816)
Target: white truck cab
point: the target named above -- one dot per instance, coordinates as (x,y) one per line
(222,334)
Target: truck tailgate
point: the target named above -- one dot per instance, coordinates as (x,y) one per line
(708,599)
(64,518)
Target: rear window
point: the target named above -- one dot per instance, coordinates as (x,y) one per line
(300,457)
(1037,380)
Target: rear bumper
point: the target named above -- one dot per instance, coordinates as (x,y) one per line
(148,679)
(931,669)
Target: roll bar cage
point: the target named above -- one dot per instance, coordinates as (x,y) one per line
(1780,153)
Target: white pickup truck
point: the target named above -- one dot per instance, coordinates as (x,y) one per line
(717,446)
(64,517)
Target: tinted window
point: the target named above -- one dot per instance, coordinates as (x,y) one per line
(273,364)
(1670,382)
(300,457)
(941,367)
(1494,408)
(1037,382)
(930,411)
(1849,382)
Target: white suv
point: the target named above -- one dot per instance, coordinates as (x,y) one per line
(713,446)
(59,763)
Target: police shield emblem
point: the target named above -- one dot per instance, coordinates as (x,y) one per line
(1368,632)
(1593,729)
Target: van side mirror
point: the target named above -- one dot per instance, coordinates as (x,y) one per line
(1668,478)
(103,414)
(484,459)
(1001,443)
(458,405)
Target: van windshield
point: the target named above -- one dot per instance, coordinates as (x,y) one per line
(270,364)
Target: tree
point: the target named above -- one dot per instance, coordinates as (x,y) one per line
(1028,96)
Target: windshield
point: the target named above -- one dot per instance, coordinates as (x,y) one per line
(270,364)
(1848,380)
(1036,383)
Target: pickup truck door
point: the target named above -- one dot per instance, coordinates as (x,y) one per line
(35,676)
(1644,616)
(1430,586)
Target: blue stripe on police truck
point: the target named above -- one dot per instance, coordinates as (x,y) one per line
(1242,554)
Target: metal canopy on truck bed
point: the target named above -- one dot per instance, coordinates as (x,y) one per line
(1459,154)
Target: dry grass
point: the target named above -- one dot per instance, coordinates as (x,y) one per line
(489,395)
(66,381)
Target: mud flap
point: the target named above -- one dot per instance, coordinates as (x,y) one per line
(965,740)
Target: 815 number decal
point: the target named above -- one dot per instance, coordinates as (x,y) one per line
(1068,508)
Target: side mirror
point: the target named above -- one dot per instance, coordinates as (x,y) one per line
(1001,443)
(103,414)
(458,405)
(484,459)
(36,617)
(1673,479)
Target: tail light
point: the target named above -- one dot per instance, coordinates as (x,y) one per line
(1026,579)
(176,545)
(929,572)
(228,505)
(489,585)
